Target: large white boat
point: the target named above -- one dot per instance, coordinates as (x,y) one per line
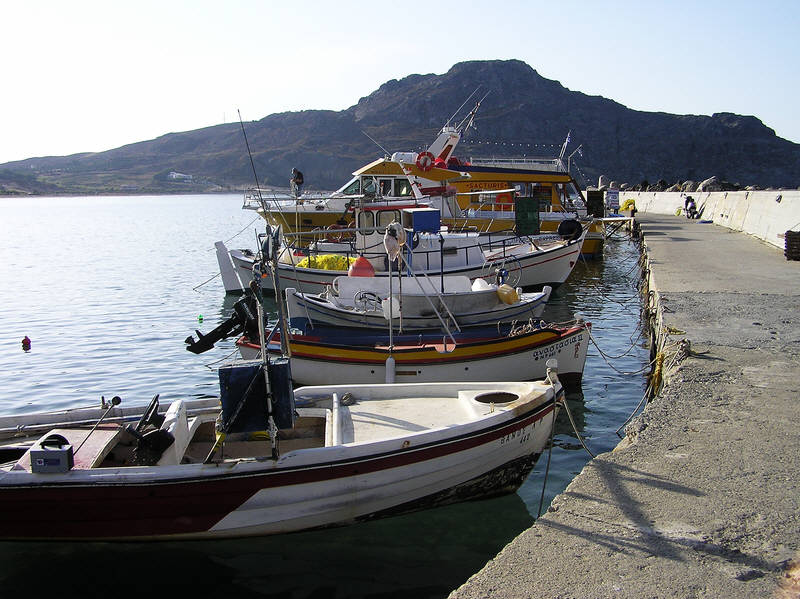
(530,262)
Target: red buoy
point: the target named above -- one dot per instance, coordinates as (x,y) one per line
(361,268)
(26,343)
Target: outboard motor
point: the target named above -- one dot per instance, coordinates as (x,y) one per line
(242,320)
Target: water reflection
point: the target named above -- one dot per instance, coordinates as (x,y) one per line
(426,554)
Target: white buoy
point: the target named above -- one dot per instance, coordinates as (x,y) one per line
(390,369)
(390,307)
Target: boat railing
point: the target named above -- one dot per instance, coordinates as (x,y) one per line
(533,163)
(279,200)
(499,244)
(495,209)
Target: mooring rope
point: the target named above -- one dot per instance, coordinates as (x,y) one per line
(243,229)
(622,355)
(607,358)
(636,409)
(547,468)
(575,428)
(196,287)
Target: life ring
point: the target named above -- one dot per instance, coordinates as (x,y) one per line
(337,233)
(425,161)
(504,202)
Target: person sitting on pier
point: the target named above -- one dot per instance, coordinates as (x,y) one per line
(690,207)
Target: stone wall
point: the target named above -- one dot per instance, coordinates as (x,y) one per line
(766,215)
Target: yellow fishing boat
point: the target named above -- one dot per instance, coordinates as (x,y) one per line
(529,195)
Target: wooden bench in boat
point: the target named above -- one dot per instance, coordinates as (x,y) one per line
(93,451)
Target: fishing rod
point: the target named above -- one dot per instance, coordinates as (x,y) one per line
(252,164)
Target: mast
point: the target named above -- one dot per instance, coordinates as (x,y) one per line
(448,138)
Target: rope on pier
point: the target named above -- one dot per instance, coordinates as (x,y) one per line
(682,351)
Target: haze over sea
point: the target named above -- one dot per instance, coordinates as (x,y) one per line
(107,289)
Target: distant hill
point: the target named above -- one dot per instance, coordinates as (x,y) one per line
(523,113)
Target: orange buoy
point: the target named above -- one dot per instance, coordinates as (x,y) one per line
(361,268)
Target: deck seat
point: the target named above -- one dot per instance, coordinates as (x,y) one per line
(182,428)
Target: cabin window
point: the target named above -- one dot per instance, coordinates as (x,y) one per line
(387,216)
(365,220)
(386,187)
(353,188)
(368,186)
(403,188)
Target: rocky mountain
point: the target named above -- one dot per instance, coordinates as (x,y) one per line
(523,113)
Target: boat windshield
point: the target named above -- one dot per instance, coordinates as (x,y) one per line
(390,187)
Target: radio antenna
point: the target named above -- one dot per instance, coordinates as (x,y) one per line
(385,151)
(447,124)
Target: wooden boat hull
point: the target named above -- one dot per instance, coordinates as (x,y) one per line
(319,359)
(417,314)
(484,452)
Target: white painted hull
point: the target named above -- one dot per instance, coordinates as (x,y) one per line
(417,313)
(527,269)
(445,444)
(514,359)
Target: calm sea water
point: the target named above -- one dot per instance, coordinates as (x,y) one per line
(107,289)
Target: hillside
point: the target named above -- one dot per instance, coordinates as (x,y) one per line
(523,110)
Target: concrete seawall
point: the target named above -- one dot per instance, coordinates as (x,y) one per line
(766,215)
(702,497)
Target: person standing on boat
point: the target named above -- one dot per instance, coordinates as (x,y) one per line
(296,182)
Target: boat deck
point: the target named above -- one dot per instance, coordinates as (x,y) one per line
(380,419)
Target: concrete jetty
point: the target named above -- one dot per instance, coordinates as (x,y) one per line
(701,497)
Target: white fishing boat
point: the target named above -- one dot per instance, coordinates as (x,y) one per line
(413,303)
(331,455)
(514,353)
(531,262)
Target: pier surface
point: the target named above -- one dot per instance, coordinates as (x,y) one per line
(701,498)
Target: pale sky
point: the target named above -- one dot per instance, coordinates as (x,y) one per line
(87,76)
